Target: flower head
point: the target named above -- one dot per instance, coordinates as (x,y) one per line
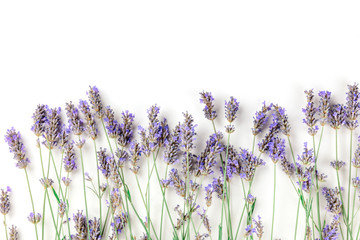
(125,129)
(5,201)
(260,119)
(69,158)
(187,133)
(277,149)
(337,115)
(34,218)
(16,146)
(135,154)
(307,157)
(80,226)
(111,124)
(352,106)
(76,124)
(39,118)
(13,233)
(207,99)
(334,204)
(172,149)
(90,126)
(207,158)
(310,112)
(95,101)
(282,119)
(94,229)
(103,162)
(231,108)
(324,106)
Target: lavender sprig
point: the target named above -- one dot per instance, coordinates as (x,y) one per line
(207,99)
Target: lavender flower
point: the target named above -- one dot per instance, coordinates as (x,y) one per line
(307,157)
(155,128)
(69,158)
(177,182)
(66,181)
(208,195)
(76,124)
(259,227)
(352,106)
(64,137)
(356,160)
(103,162)
(62,208)
(205,220)
(203,236)
(145,142)
(116,201)
(207,99)
(34,218)
(250,199)
(94,229)
(53,127)
(5,201)
(46,182)
(334,204)
(356,182)
(336,116)
(13,233)
(135,154)
(39,117)
(248,163)
(310,113)
(115,176)
(119,223)
(282,118)
(172,149)
(217,186)
(122,156)
(260,119)
(249,230)
(80,226)
(95,101)
(277,149)
(111,124)
(125,129)
(187,133)
(16,147)
(324,106)
(231,108)
(207,158)
(287,167)
(332,231)
(337,164)
(90,127)
(274,128)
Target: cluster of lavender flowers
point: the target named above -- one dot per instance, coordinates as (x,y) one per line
(194,176)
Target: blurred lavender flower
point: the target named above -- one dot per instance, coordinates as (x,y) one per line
(116,201)
(53,127)
(69,158)
(103,162)
(207,158)
(324,106)
(205,220)
(13,233)
(233,163)
(203,236)
(310,113)
(94,229)
(34,218)
(66,181)
(76,124)
(337,164)
(119,222)
(249,230)
(135,154)
(80,226)
(95,101)
(39,118)
(16,146)
(172,149)
(259,227)
(145,143)
(334,204)
(356,160)
(282,119)
(337,116)
(305,177)
(80,143)
(5,201)
(111,124)
(287,167)
(320,176)
(260,119)
(356,182)
(64,137)
(207,99)
(307,157)
(231,108)
(46,182)
(90,126)
(208,195)
(217,186)
(187,133)
(277,149)
(115,176)
(250,199)
(62,208)
(125,129)
(352,106)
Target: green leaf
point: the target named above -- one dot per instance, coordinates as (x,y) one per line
(127,192)
(55,194)
(220,232)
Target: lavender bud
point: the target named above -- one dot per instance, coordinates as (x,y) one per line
(336,116)
(39,117)
(260,119)
(249,230)
(231,108)
(356,182)
(95,101)
(177,182)
(276,149)
(16,147)
(135,154)
(90,120)
(76,124)
(282,118)
(259,227)
(207,158)
(307,157)
(69,158)
(62,208)
(34,218)
(310,113)
(13,233)
(205,220)
(53,127)
(356,160)
(250,199)
(187,133)
(94,229)
(334,204)
(46,182)
(324,106)
(352,106)
(111,124)
(103,162)
(207,99)
(66,181)
(172,149)
(5,201)
(125,129)
(337,164)
(80,226)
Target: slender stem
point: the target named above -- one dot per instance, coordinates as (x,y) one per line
(32,201)
(84,187)
(148,197)
(349,183)
(6,233)
(297,219)
(353,204)
(273,213)
(98,180)
(163,203)
(317,189)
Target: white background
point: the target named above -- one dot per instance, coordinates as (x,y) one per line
(140,53)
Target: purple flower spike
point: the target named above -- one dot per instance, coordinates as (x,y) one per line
(39,118)
(336,116)
(187,133)
(352,106)
(76,124)
(324,106)
(207,99)
(260,119)
(95,101)
(16,146)
(310,112)
(91,128)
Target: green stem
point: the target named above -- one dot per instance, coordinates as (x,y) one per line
(273,213)
(349,183)
(98,179)
(163,203)
(32,201)
(317,189)
(353,204)
(6,233)
(84,187)
(297,219)
(148,197)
